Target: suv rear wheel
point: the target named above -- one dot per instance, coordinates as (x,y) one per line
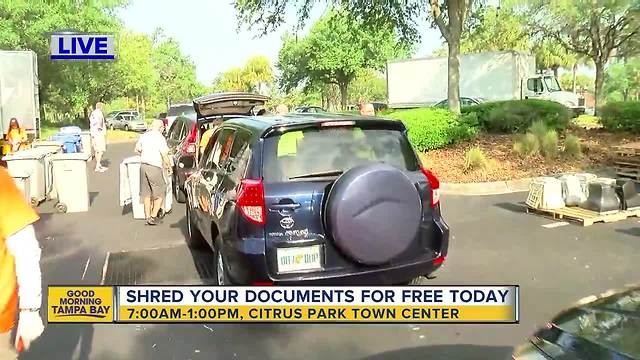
(195,240)
(178,193)
(222,277)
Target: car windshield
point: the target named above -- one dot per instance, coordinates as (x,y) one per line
(333,150)
(552,83)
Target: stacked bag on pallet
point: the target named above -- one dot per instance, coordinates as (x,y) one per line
(545,193)
(573,192)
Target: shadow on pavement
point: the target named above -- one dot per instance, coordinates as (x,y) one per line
(634,231)
(457,352)
(513,207)
(64,256)
(61,341)
(92,196)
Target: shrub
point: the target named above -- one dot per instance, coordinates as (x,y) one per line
(528,145)
(518,115)
(538,129)
(621,116)
(435,128)
(475,159)
(572,146)
(549,144)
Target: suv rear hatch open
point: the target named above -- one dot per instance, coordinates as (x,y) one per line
(212,109)
(228,103)
(303,167)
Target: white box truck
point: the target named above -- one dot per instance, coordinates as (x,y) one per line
(493,76)
(19,97)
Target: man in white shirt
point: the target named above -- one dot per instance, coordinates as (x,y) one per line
(98,129)
(154,156)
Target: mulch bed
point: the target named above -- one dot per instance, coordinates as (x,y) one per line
(503,164)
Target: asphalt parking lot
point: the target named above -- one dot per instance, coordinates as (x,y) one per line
(493,242)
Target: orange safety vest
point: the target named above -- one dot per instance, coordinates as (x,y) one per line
(16,214)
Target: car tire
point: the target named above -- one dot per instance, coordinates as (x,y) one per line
(111,127)
(126,128)
(195,240)
(222,276)
(178,193)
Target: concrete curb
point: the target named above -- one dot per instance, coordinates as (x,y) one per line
(486,188)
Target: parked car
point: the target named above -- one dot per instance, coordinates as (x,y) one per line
(128,120)
(176,110)
(378,106)
(464,101)
(598,327)
(183,137)
(290,201)
(309,109)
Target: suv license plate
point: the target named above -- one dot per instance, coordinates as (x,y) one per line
(299,258)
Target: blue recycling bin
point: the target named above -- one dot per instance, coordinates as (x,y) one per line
(72,143)
(70,130)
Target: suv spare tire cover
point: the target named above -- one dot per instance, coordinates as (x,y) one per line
(373,213)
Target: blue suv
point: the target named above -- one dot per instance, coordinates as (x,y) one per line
(312,199)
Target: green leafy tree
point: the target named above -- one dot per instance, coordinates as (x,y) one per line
(366,87)
(24,25)
(448,16)
(622,80)
(176,72)
(581,81)
(595,29)
(255,76)
(337,48)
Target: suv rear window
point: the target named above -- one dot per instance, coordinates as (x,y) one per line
(182,110)
(310,151)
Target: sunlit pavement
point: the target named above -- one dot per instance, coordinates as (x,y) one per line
(493,243)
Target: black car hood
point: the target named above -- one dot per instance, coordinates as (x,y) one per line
(607,328)
(228,103)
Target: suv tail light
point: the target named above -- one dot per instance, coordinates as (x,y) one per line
(189,146)
(434,183)
(251,201)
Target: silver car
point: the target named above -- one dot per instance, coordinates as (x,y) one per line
(126,120)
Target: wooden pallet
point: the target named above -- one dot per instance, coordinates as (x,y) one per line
(627,150)
(586,217)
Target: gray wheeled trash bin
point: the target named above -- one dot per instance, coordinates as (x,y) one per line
(52,146)
(22,182)
(32,162)
(87,147)
(70,174)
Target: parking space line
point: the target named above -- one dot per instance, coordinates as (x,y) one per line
(86,266)
(555,224)
(104,268)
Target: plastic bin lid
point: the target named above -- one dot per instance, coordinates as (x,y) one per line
(36,153)
(47,143)
(19,174)
(132,160)
(70,130)
(70,156)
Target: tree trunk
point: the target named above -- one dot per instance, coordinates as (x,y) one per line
(343,95)
(137,104)
(599,82)
(574,70)
(625,95)
(453,92)
(555,70)
(456,16)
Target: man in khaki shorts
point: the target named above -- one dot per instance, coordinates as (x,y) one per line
(98,129)
(153,151)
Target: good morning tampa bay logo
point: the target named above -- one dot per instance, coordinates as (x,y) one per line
(80,304)
(79,46)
